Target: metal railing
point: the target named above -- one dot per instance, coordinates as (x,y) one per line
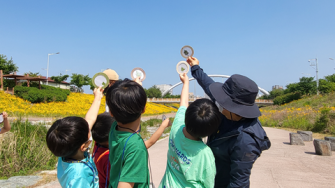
(177,100)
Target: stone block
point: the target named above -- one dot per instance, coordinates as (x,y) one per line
(332,142)
(295,139)
(306,135)
(322,147)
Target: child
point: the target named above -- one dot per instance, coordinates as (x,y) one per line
(113,77)
(241,138)
(190,162)
(6,126)
(100,133)
(128,154)
(68,139)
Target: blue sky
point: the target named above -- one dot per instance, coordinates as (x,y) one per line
(268,41)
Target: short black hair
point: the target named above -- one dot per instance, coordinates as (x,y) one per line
(66,135)
(202,118)
(126,100)
(101,127)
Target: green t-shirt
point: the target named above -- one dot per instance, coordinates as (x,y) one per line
(190,163)
(134,166)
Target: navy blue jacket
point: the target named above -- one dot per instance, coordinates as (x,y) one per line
(235,146)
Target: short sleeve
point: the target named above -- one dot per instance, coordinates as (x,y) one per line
(135,168)
(78,182)
(179,119)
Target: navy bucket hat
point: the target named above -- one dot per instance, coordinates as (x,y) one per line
(237,95)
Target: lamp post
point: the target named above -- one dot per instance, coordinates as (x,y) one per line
(317,73)
(48,66)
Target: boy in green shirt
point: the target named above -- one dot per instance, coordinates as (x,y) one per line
(190,162)
(128,154)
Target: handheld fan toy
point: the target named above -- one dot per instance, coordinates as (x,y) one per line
(186,51)
(138,72)
(163,117)
(182,67)
(1,118)
(100,80)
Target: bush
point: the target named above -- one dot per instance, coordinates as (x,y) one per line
(283,99)
(23,150)
(46,94)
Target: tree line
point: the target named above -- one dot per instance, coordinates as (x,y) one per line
(77,80)
(305,87)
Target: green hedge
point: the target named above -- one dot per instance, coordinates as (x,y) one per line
(283,99)
(46,94)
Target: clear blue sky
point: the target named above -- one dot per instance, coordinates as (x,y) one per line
(268,41)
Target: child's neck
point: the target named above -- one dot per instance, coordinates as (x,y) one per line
(130,127)
(79,156)
(187,135)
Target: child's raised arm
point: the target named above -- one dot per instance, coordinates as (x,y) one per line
(92,113)
(153,139)
(6,124)
(184,91)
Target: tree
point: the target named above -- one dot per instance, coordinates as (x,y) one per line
(7,66)
(306,86)
(273,94)
(330,78)
(168,95)
(80,80)
(59,79)
(32,74)
(153,92)
(326,86)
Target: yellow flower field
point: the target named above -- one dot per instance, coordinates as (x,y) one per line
(77,104)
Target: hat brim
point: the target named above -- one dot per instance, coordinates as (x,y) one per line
(227,103)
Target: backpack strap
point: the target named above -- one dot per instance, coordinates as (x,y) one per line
(103,154)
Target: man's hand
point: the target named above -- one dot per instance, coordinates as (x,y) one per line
(98,93)
(192,61)
(138,80)
(184,78)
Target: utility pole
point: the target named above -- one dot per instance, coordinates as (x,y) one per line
(317,73)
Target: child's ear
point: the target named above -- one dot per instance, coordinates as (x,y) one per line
(111,113)
(144,110)
(84,146)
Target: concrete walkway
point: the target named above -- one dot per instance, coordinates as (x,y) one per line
(282,166)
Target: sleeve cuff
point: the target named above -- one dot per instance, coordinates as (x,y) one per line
(195,67)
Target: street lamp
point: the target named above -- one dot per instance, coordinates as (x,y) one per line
(317,73)
(48,66)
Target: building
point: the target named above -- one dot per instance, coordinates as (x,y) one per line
(63,85)
(164,87)
(277,87)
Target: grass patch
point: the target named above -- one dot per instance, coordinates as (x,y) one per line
(23,150)
(311,113)
(152,123)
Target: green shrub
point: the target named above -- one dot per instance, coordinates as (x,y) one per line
(46,94)
(23,150)
(283,99)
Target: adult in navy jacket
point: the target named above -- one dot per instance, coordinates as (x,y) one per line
(240,139)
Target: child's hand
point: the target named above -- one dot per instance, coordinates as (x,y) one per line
(166,123)
(184,78)
(137,79)
(98,93)
(5,115)
(192,61)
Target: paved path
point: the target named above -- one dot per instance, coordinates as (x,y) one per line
(283,166)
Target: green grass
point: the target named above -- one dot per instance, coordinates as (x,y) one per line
(312,113)
(24,151)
